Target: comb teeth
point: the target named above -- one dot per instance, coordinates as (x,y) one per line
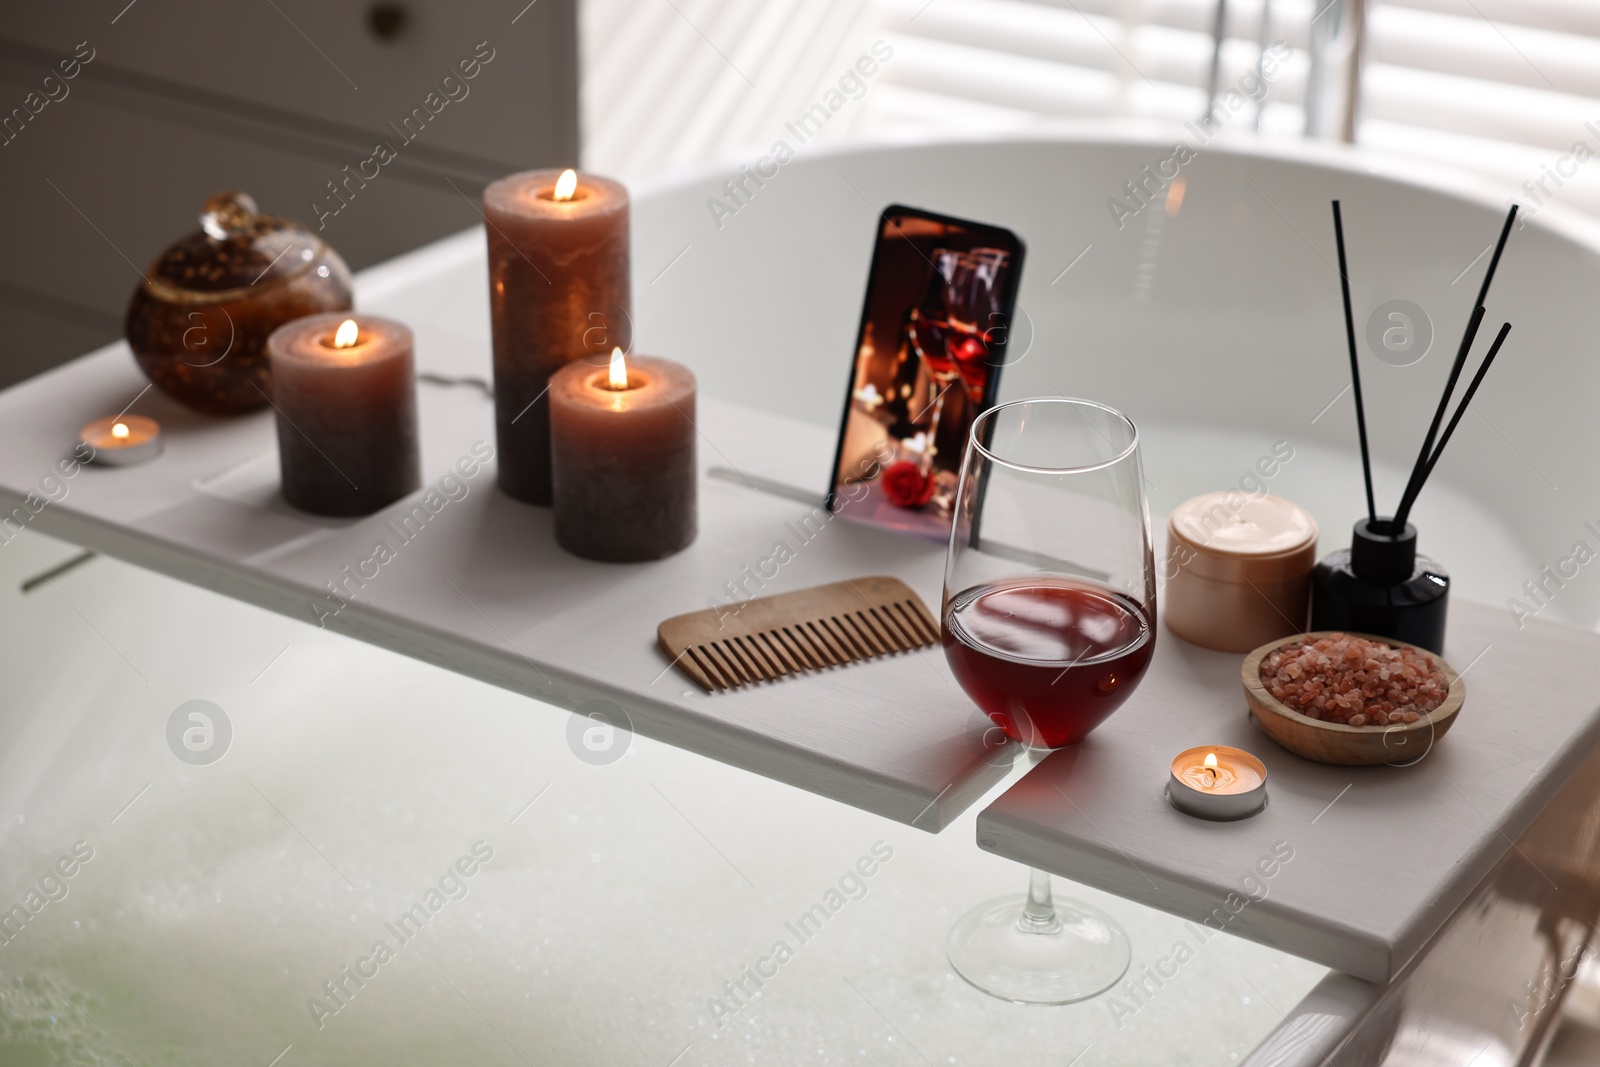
(772,637)
(813,645)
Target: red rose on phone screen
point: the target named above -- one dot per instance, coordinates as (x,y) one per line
(906,486)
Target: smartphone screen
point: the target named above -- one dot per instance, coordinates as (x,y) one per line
(927,360)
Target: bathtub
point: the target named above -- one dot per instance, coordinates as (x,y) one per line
(627,911)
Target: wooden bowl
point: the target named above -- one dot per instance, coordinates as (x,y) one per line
(1332,742)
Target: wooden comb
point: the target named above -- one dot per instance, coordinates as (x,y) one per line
(809,629)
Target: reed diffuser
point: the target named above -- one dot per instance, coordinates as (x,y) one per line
(1381,585)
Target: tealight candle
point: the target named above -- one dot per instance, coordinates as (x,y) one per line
(345,392)
(622,443)
(120,440)
(558,292)
(1218,782)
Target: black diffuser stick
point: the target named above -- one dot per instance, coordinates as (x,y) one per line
(1355,367)
(1494,260)
(1438,414)
(1419,469)
(1466,400)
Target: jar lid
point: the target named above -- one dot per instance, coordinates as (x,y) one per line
(1235,537)
(237,252)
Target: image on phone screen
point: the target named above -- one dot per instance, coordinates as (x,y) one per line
(927,360)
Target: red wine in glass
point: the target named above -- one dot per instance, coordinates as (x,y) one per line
(952,349)
(927,333)
(970,347)
(1046,656)
(1048,659)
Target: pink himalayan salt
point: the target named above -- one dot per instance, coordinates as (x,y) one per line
(1354,681)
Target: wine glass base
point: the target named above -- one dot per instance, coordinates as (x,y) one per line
(1081,956)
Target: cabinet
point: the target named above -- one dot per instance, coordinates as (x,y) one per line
(286,99)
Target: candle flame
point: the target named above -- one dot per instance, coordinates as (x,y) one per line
(1211,759)
(566,185)
(119,431)
(619,366)
(347,333)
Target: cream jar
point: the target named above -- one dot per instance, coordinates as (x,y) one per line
(1238,570)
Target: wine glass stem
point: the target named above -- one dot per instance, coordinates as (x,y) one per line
(1039,913)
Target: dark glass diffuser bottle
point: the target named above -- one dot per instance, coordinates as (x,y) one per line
(1381,586)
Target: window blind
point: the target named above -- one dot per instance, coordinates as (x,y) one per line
(668,82)
(1033,60)
(1509,89)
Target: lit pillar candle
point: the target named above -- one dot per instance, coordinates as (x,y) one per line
(622,449)
(1218,782)
(558,292)
(345,391)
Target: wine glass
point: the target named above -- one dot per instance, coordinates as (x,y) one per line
(1048,625)
(952,329)
(973,296)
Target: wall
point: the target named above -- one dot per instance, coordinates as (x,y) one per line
(181,99)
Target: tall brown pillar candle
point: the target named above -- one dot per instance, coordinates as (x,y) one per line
(344,387)
(558,291)
(622,440)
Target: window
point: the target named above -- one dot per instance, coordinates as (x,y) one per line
(1509,89)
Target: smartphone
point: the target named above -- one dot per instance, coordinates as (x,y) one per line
(928,356)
